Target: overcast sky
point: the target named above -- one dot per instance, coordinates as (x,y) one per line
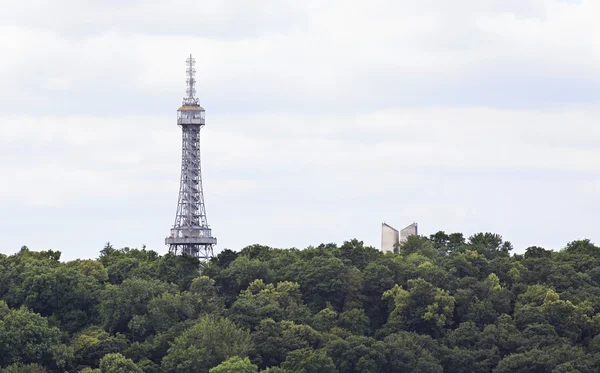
(324,119)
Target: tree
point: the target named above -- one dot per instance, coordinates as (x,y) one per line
(442,304)
(411,352)
(24,368)
(235,365)
(308,360)
(224,258)
(420,245)
(209,301)
(355,321)
(26,337)
(355,253)
(239,274)
(65,293)
(537,252)
(585,247)
(261,301)
(121,303)
(490,245)
(357,354)
(93,343)
(117,363)
(208,343)
(325,279)
(273,341)
(422,308)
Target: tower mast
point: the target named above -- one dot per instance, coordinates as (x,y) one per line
(191,233)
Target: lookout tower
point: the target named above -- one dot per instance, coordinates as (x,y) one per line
(191,233)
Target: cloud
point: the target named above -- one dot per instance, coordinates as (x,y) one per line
(324,118)
(290,181)
(318,56)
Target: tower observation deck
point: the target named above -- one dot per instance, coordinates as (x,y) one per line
(190,233)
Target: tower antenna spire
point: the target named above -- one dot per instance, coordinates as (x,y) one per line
(191,99)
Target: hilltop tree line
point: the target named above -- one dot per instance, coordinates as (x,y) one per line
(443,303)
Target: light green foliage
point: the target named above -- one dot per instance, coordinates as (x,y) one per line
(235,365)
(493,282)
(441,309)
(208,343)
(422,307)
(514,274)
(261,301)
(90,370)
(207,299)
(92,344)
(275,370)
(325,319)
(536,295)
(117,363)
(90,268)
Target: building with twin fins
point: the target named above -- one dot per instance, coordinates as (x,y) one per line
(391,237)
(190,233)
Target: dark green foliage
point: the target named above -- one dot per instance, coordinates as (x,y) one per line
(67,294)
(24,368)
(355,253)
(121,303)
(357,354)
(308,360)
(26,337)
(272,341)
(411,352)
(440,304)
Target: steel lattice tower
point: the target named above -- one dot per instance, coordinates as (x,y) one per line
(190,233)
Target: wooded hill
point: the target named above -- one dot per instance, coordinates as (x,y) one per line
(443,304)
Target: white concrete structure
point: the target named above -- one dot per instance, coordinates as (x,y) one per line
(408,231)
(391,237)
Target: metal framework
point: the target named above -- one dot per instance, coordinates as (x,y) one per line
(190,233)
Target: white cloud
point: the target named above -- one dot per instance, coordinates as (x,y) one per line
(282,172)
(324,118)
(321,55)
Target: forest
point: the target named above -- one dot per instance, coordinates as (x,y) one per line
(443,303)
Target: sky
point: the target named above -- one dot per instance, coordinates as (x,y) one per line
(325,118)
